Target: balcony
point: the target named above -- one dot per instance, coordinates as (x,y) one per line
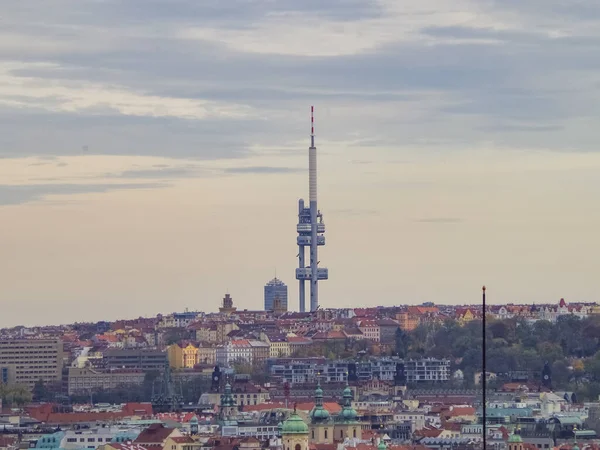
(305,273)
(305,240)
(306,228)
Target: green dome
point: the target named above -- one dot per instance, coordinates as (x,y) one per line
(349,414)
(514,439)
(347,392)
(294,425)
(319,391)
(381,445)
(319,414)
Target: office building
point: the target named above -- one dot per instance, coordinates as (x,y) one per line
(25,361)
(276,290)
(132,359)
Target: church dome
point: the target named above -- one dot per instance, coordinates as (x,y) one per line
(294,425)
(381,445)
(319,414)
(349,414)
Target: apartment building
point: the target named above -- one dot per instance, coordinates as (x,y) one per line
(25,361)
(145,360)
(307,370)
(87,379)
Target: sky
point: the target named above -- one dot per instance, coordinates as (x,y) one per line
(152,152)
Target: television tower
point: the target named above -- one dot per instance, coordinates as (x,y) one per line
(311,229)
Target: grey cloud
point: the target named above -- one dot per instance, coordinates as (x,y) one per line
(19,194)
(162,173)
(496,91)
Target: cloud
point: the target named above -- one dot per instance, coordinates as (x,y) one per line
(20,194)
(262,170)
(213,79)
(161,173)
(440,220)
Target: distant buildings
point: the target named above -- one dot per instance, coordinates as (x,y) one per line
(276,290)
(145,360)
(310,370)
(85,380)
(25,361)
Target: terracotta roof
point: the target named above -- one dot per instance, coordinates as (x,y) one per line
(183,440)
(263,407)
(156,433)
(429,432)
(332,407)
(455,411)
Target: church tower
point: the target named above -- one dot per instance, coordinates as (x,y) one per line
(294,433)
(346,424)
(227,409)
(321,425)
(515,442)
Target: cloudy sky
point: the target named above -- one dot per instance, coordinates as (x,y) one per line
(152,152)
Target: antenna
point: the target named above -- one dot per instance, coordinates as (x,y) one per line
(312,126)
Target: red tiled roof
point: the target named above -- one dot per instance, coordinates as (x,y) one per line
(156,433)
(183,440)
(460,411)
(263,407)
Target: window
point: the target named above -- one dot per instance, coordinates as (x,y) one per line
(298,447)
(354,433)
(326,433)
(313,434)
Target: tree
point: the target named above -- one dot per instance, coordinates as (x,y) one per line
(40,392)
(15,395)
(402,341)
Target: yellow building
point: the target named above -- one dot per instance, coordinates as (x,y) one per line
(183,355)
(465,316)
(279,347)
(294,433)
(325,429)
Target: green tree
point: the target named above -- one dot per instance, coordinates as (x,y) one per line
(40,391)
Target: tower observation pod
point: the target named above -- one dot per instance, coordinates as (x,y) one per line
(311,233)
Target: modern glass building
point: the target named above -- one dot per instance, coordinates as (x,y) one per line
(276,289)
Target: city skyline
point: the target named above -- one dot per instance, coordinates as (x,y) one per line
(152,158)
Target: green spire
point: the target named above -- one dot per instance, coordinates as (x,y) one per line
(319,413)
(348,413)
(227,397)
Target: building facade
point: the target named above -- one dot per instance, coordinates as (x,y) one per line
(310,370)
(84,380)
(25,361)
(145,360)
(276,289)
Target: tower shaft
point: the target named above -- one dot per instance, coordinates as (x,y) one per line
(310,233)
(314,261)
